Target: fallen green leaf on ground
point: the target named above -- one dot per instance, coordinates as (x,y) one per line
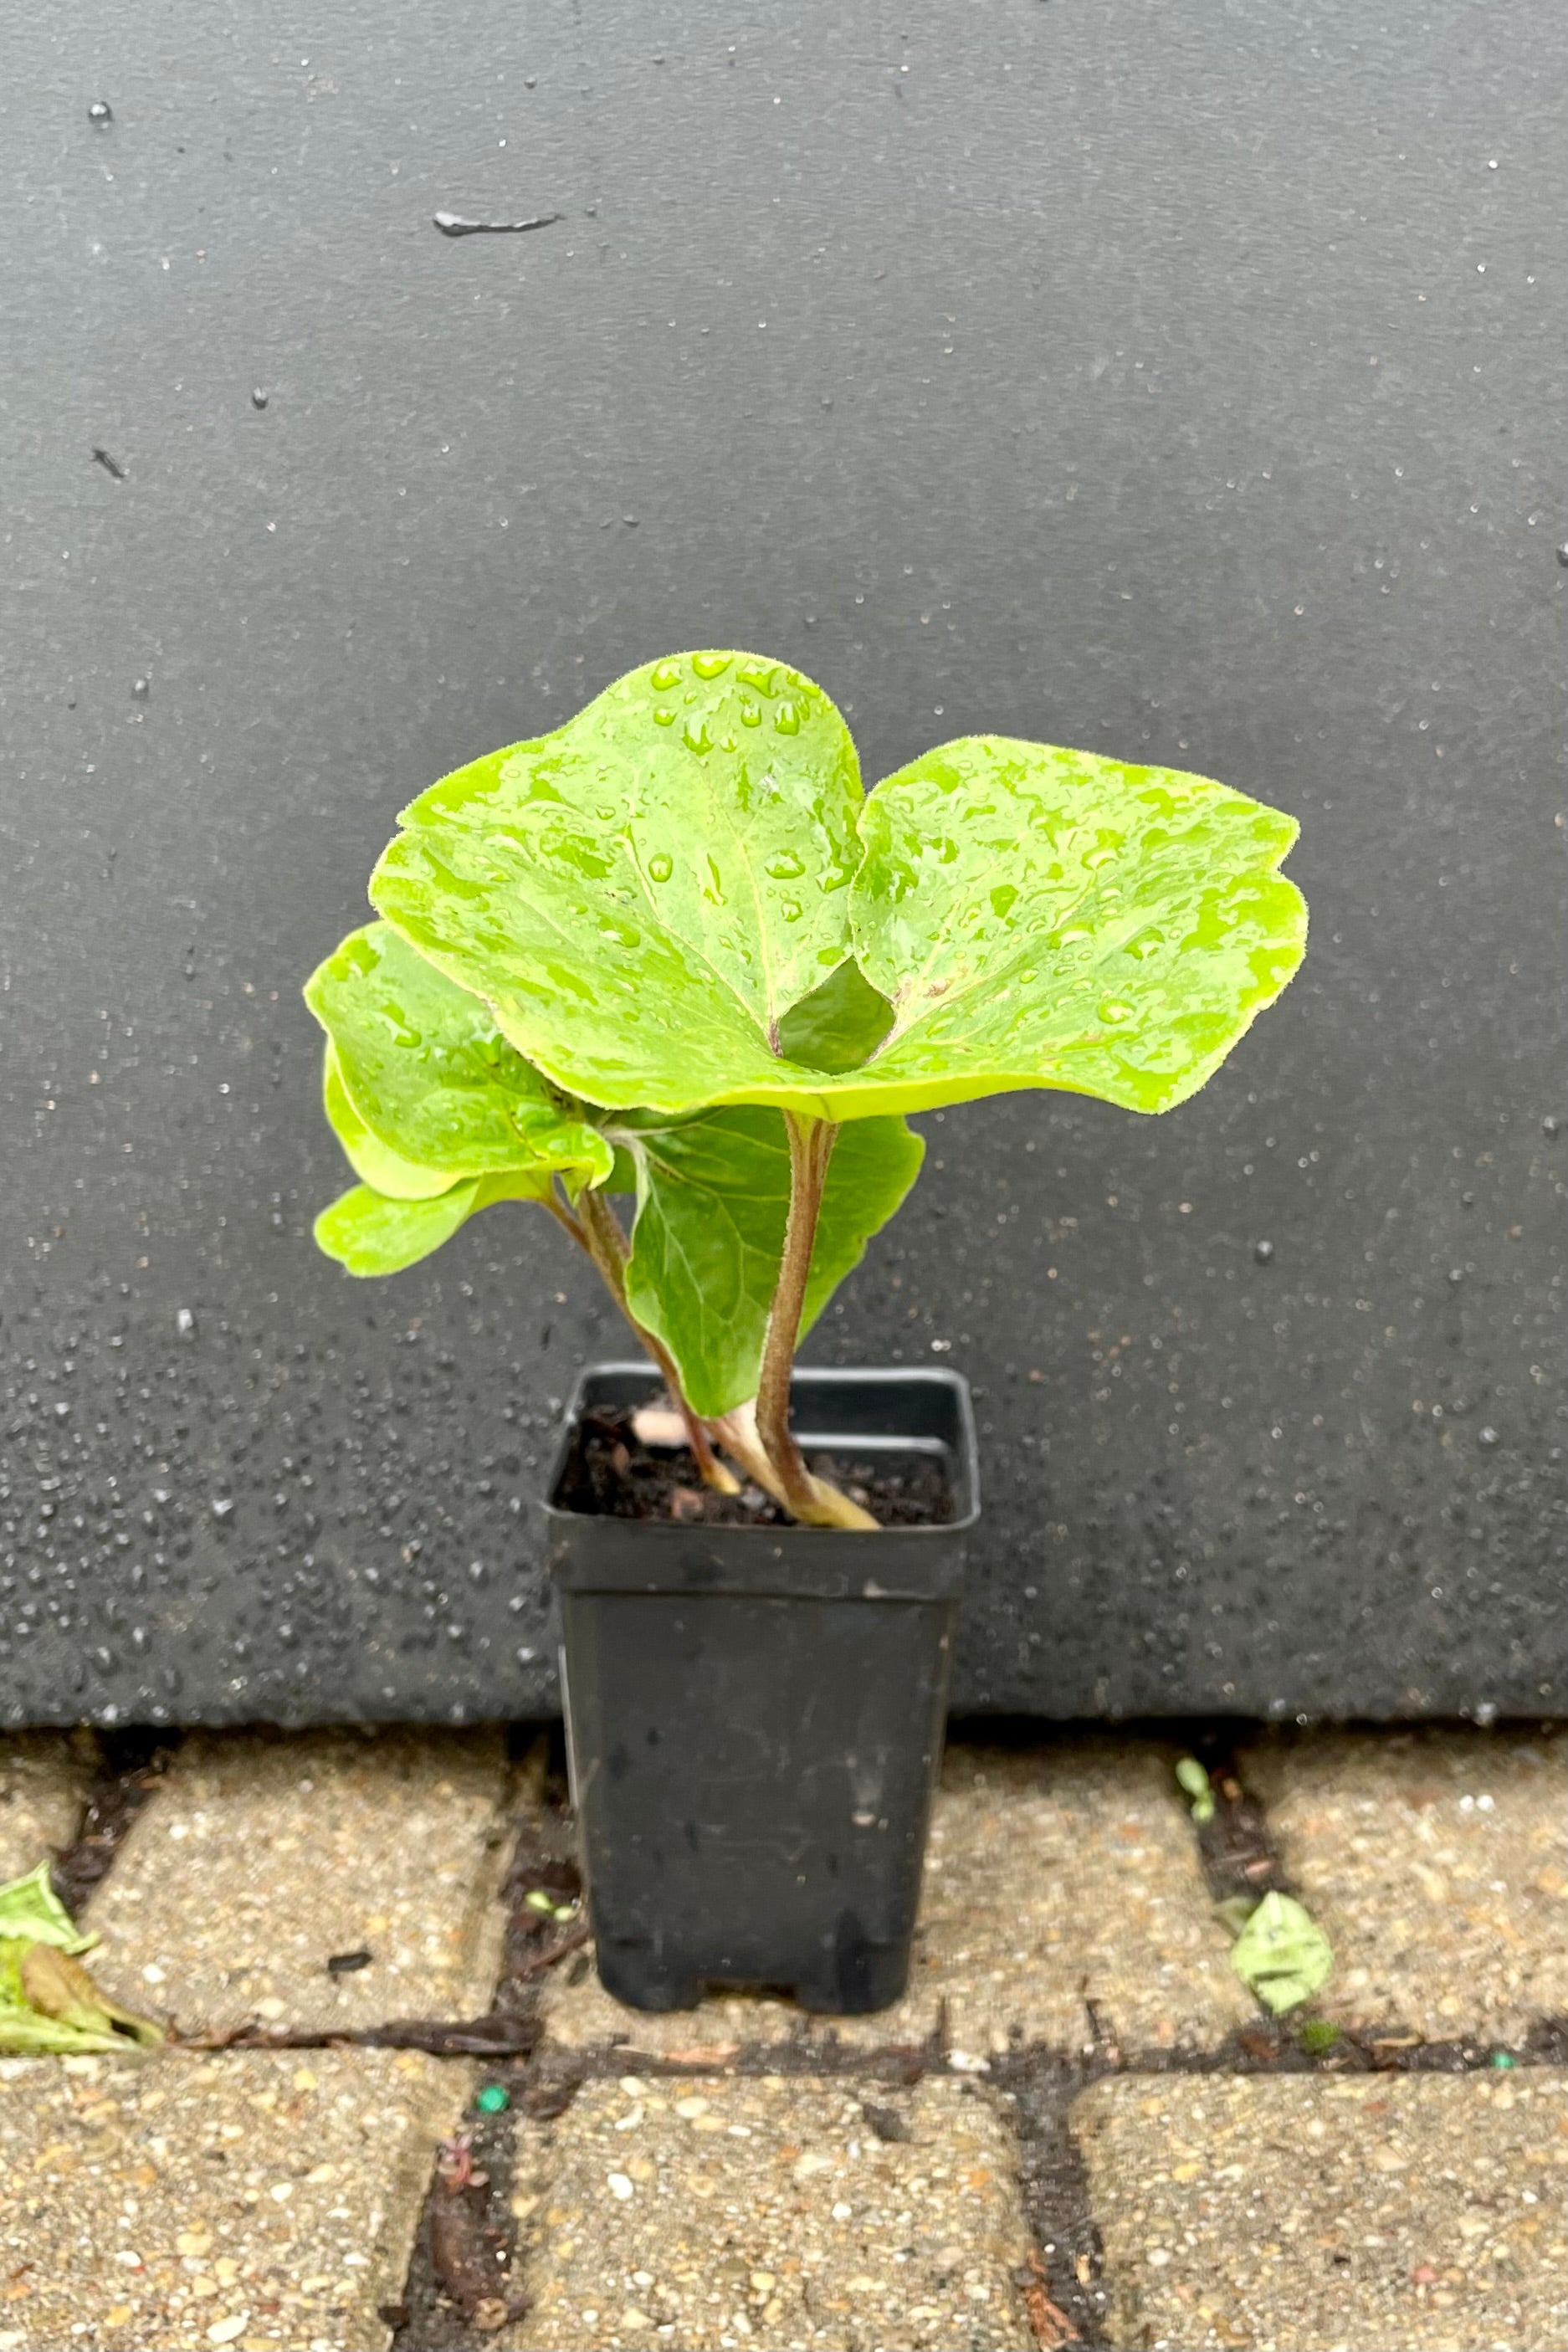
(49,2005)
(1193,1782)
(1282,1955)
(30,1909)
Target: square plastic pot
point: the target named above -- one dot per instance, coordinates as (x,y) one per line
(754,1715)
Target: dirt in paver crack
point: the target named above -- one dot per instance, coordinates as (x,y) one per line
(461,2284)
(131,1765)
(546,1924)
(1235,1844)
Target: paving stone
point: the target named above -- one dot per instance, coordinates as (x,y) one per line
(44,1780)
(254,2198)
(1057,1875)
(767,2211)
(1438,1862)
(260,1858)
(1422,2214)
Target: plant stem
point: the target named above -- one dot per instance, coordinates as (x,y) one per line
(601,1235)
(563,1217)
(811,1500)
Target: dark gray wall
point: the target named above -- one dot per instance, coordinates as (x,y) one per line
(1181,381)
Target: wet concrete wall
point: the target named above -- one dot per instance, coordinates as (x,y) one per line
(1186,384)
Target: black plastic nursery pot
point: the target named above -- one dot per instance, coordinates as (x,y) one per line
(754,1715)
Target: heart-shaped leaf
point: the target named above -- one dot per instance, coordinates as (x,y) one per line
(642,896)
(369,1233)
(650,898)
(1039,917)
(421,1087)
(713,1199)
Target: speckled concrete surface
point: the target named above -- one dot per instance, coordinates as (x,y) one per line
(44,1780)
(1419,2214)
(258,2199)
(1055,1875)
(1437,1862)
(762,2211)
(259,1859)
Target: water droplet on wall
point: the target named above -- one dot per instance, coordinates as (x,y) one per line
(100,112)
(258,398)
(1263,1252)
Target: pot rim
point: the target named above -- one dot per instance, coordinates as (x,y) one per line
(963,1455)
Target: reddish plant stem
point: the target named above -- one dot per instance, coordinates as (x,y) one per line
(811,1500)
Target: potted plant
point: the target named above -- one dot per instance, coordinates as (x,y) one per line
(672,952)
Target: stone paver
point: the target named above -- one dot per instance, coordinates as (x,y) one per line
(1437,1862)
(767,2211)
(43,1781)
(261,1858)
(1418,2214)
(258,2199)
(1055,1875)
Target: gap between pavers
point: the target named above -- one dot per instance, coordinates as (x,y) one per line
(1417,2213)
(44,1781)
(1056,1877)
(261,1857)
(766,2210)
(265,2199)
(1437,1863)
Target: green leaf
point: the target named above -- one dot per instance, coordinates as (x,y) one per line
(839,1026)
(1046,917)
(30,1909)
(642,896)
(369,1233)
(372,1161)
(1282,1955)
(651,899)
(417,1068)
(50,2007)
(1191,1778)
(713,1197)
(49,2004)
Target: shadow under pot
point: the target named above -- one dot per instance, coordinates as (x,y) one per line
(754,1713)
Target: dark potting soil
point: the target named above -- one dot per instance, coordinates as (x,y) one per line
(610,1473)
